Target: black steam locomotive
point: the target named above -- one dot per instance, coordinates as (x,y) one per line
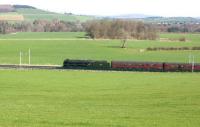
(86,64)
(130,66)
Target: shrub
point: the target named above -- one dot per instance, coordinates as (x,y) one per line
(182,39)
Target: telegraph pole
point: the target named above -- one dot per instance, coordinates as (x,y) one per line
(193,64)
(189,59)
(29,57)
(25,54)
(20,58)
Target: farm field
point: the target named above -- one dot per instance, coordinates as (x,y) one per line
(98,99)
(29,15)
(53,48)
(34,14)
(12,16)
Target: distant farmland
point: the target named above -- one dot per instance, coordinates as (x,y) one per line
(11,17)
(29,13)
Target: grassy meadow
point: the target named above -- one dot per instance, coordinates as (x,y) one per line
(44,98)
(98,99)
(53,48)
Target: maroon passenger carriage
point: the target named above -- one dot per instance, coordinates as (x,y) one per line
(171,67)
(136,66)
(180,67)
(197,67)
(154,66)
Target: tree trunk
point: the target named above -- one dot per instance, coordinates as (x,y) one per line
(123,44)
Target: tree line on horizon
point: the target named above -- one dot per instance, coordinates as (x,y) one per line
(40,26)
(179,28)
(106,29)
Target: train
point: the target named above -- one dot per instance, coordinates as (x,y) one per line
(130,66)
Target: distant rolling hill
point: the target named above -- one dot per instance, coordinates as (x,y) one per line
(131,16)
(172,20)
(29,13)
(157,19)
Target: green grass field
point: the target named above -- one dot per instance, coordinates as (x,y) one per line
(98,99)
(53,48)
(42,98)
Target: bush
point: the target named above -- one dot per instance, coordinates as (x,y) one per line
(182,39)
(195,48)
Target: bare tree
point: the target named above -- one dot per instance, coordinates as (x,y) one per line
(123,37)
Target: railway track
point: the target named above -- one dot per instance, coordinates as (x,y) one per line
(59,67)
(45,67)
(41,67)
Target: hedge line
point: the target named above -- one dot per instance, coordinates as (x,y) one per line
(172,48)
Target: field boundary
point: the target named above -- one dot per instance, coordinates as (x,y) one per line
(40,39)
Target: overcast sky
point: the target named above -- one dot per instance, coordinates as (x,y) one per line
(189,8)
